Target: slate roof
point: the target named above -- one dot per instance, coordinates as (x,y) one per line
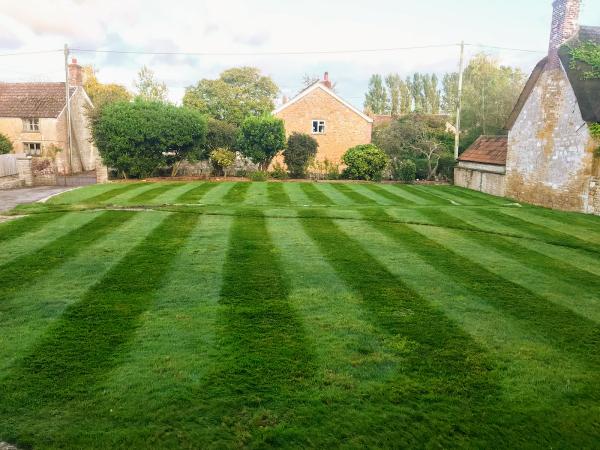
(487,150)
(586,91)
(32,100)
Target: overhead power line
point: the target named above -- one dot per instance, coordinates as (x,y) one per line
(273,53)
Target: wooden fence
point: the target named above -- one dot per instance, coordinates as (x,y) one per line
(8,165)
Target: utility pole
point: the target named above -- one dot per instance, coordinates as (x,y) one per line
(459,107)
(68,95)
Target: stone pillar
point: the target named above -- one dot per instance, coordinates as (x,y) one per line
(101,173)
(25,170)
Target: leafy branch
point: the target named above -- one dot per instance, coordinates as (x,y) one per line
(588,53)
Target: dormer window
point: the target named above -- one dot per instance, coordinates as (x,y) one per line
(31,125)
(318,127)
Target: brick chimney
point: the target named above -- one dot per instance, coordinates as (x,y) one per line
(565,25)
(75,73)
(326,80)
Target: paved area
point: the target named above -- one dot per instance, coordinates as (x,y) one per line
(13,197)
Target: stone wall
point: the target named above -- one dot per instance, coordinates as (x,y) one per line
(479,179)
(594,196)
(344,128)
(11,182)
(43,171)
(550,149)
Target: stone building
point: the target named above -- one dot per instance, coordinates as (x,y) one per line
(333,122)
(483,166)
(33,116)
(552,158)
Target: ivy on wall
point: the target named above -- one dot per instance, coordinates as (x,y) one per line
(595,131)
(587,53)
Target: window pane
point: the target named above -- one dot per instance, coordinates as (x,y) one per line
(315,126)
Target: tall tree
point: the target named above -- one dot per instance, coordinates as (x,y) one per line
(406,102)
(376,99)
(100,93)
(450,93)
(236,94)
(489,94)
(393,83)
(148,88)
(431,94)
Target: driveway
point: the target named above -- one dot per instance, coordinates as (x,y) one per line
(13,197)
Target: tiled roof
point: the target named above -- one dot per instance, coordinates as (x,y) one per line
(34,100)
(487,150)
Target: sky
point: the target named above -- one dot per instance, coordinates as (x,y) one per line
(269,26)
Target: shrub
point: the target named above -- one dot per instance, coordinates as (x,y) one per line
(220,134)
(259,175)
(221,160)
(422,169)
(136,138)
(6,145)
(405,171)
(446,166)
(278,172)
(261,138)
(301,148)
(365,162)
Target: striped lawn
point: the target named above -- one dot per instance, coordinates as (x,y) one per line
(298,315)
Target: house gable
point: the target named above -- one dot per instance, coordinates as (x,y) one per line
(321,86)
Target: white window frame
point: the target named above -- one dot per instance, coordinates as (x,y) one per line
(320,126)
(31,125)
(32,148)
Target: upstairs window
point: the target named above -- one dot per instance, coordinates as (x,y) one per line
(31,125)
(318,127)
(32,148)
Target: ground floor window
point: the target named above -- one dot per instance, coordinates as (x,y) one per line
(32,148)
(318,127)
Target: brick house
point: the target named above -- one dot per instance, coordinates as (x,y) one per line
(551,157)
(333,122)
(33,116)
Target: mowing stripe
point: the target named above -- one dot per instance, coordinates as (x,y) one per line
(426,194)
(19,227)
(511,248)
(578,334)
(16,274)
(237,194)
(196,194)
(277,194)
(85,341)
(315,195)
(397,199)
(540,231)
(459,193)
(352,194)
(151,194)
(573,287)
(263,359)
(449,374)
(109,195)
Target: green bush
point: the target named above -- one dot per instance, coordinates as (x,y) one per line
(222,159)
(301,149)
(365,162)
(422,169)
(138,137)
(446,166)
(278,172)
(5,145)
(220,134)
(259,175)
(261,138)
(405,171)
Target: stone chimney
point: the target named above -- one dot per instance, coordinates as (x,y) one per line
(75,73)
(565,25)
(326,80)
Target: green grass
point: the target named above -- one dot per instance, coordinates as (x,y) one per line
(298,315)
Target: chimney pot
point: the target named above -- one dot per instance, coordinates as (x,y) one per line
(326,80)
